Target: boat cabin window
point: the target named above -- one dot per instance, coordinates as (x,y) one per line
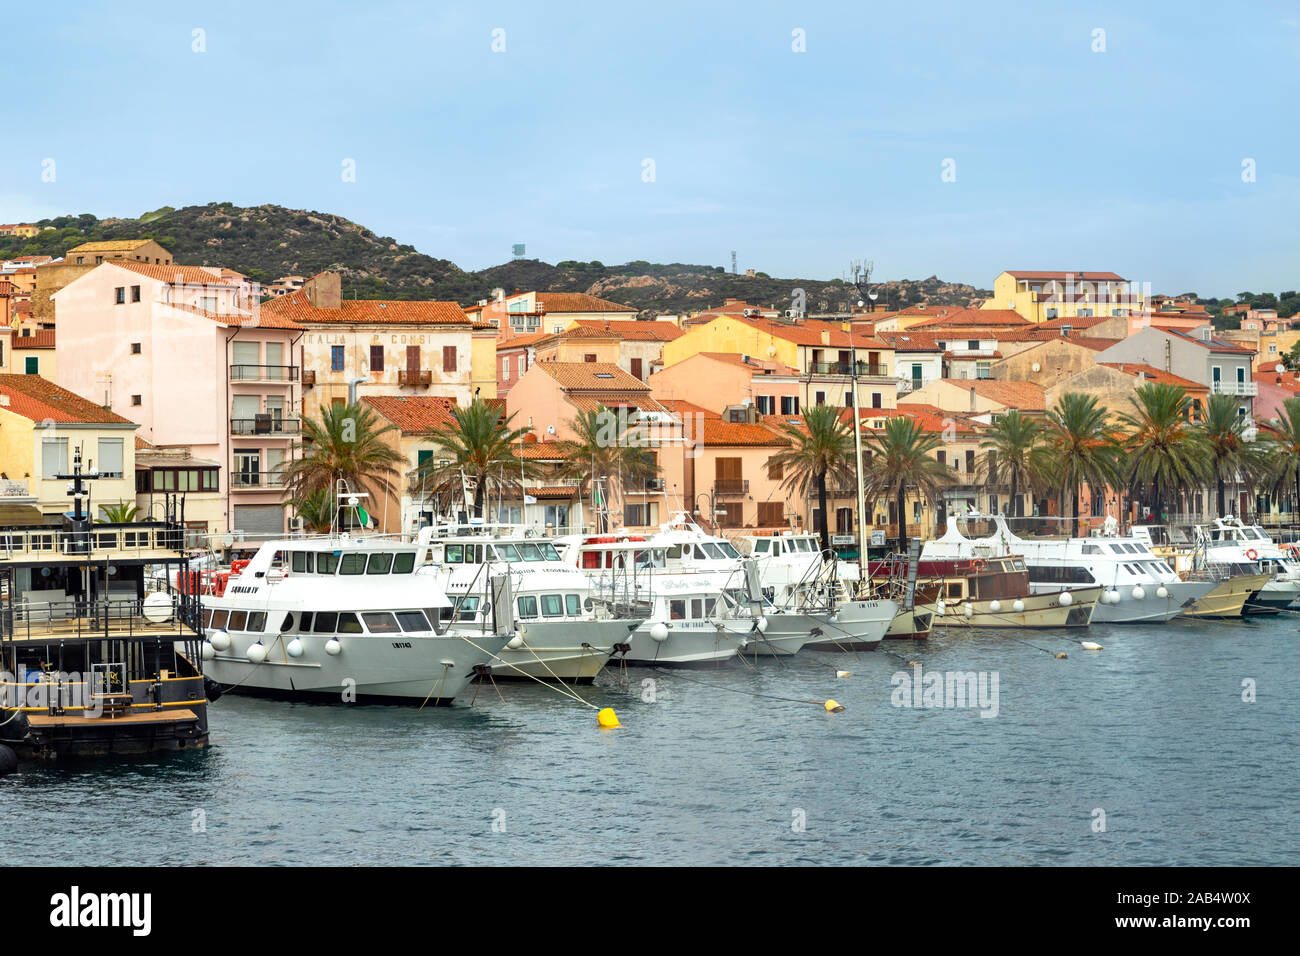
(380,622)
(352,563)
(219,619)
(412,621)
(467,609)
(675,551)
(379,563)
(348,623)
(1117,549)
(257,621)
(304,623)
(954,590)
(327,562)
(776,548)
(287,623)
(527,605)
(207,617)
(404,562)
(1091,549)
(677,610)
(805,545)
(325,623)
(533,552)
(728,549)
(552,605)
(508,552)
(1047,574)
(572,605)
(455,554)
(298,561)
(238,620)
(760,547)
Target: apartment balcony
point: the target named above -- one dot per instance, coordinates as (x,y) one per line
(861,369)
(308,377)
(653,486)
(414,376)
(264,425)
(256,480)
(1249,389)
(264,373)
(731,486)
(909,385)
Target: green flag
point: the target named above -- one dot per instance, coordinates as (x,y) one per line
(363,517)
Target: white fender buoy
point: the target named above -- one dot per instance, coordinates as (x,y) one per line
(762,625)
(843,673)
(1090,645)
(1066,599)
(219,639)
(256,653)
(659,631)
(333,648)
(295,647)
(1017,605)
(968,610)
(941,609)
(1162,592)
(1112,596)
(515,642)
(995,606)
(209,651)
(1138,592)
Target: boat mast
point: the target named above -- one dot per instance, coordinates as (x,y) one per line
(862,281)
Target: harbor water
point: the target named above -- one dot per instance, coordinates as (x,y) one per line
(1148,752)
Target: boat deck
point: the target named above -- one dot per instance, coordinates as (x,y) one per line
(45,630)
(48,722)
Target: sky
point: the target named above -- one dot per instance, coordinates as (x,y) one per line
(1157,140)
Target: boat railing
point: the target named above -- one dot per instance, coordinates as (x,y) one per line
(105,619)
(41,543)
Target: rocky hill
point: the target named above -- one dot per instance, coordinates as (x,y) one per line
(270,241)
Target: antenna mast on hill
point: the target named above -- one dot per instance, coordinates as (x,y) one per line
(733,262)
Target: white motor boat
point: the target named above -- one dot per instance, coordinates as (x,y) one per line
(1237,548)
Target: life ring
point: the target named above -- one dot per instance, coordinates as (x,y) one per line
(979,564)
(1251,554)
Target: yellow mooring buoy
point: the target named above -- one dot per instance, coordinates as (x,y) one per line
(833,706)
(607,719)
(844,673)
(1061,657)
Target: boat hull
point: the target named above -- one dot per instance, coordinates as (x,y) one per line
(1151,608)
(861,625)
(423,669)
(564,651)
(689,642)
(786,634)
(1039,611)
(1229,598)
(1274,596)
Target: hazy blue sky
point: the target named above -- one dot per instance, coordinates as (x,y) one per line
(1128,159)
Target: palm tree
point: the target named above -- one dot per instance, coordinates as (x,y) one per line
(478,445)
(1231,457)
(316,510)
(599,450)
(1283,450)
(1011,441)
(820,449)
(1076,449)
(1163,450)
(342,441)
(120,513)
(902,459)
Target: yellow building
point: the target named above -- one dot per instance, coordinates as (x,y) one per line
(1043,295)
(41,428)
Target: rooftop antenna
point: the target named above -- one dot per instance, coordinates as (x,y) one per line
(733,262)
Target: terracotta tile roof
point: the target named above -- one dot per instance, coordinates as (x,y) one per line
(632,331)
(37,398)
(1046,275)
(6,288)
(413,414)
(777,423)
(262,318)
(590,401)
(1091,343)
(974,356)
(1023,395)
(592,376)
(718,431)
(1076,321)
(540,450)
(141,444)
(679,407)
(986,318)
(521,341)
(910,341)
(109,245)
(173,275)
(750,362)
(562,492)
(552,302)
(40,339)
(1156,375)
(931,418)
(808,332)
(295,306)
(1214,344)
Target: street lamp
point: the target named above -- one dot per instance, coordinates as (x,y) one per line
(714,511)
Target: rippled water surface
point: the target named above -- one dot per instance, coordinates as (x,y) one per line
(1152,731)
